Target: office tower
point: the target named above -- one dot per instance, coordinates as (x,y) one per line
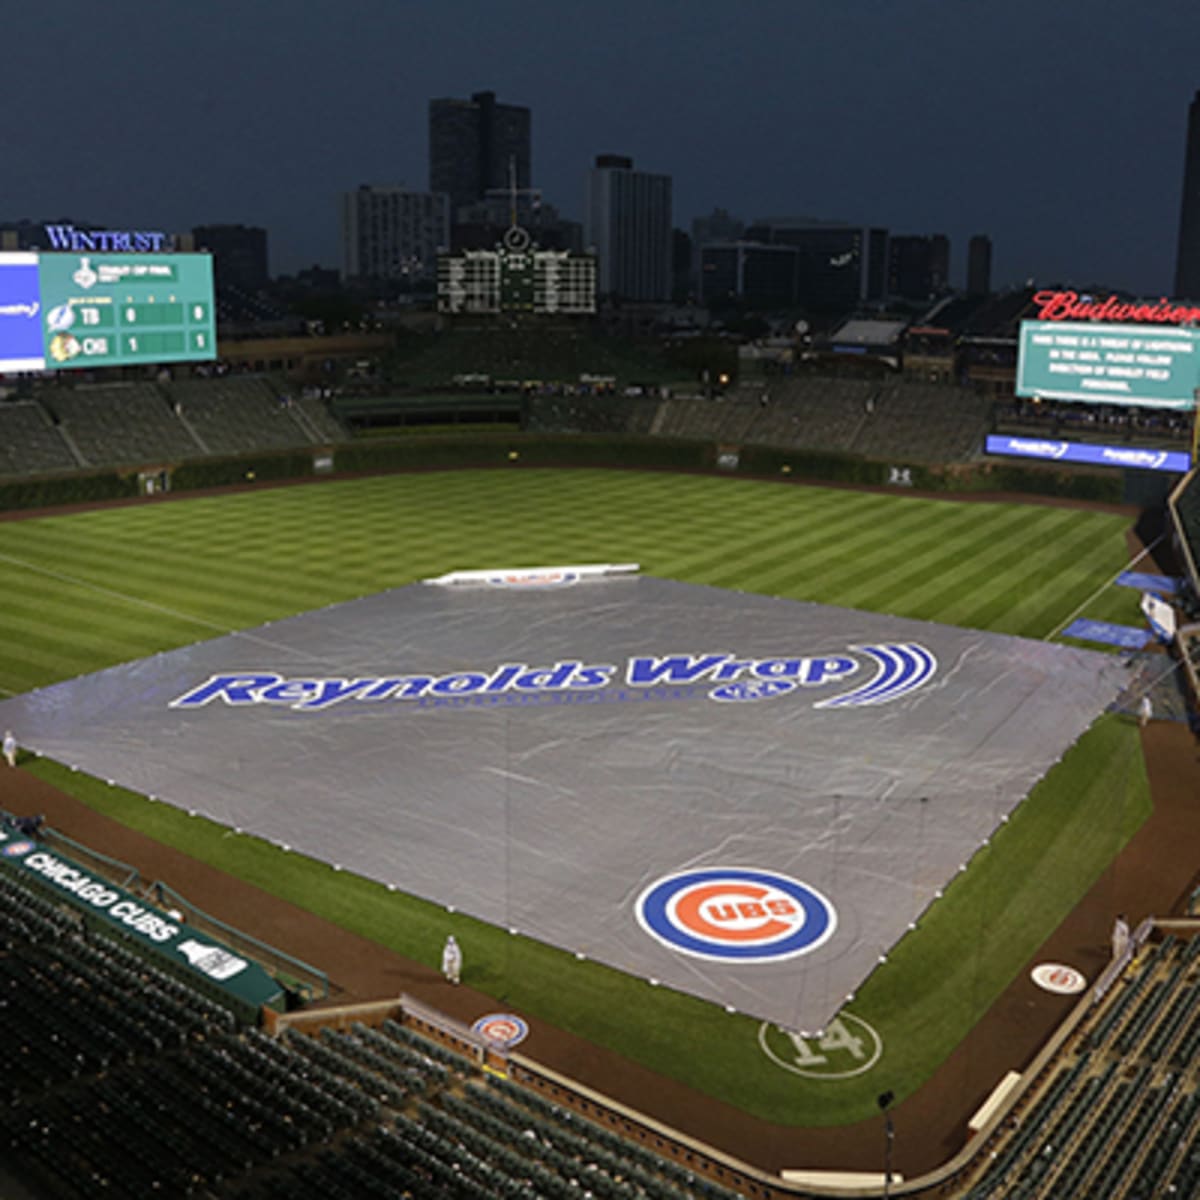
(393,233)
(979,265)
(1187,260)
(627,223)
(239,254)
(918,267)
(472,144)
(840,266)
(748,273)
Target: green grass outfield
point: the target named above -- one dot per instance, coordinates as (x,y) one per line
(85,591)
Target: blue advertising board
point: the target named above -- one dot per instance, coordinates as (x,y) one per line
(21,345)
(1055,450)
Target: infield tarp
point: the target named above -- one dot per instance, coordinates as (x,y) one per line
(543,757)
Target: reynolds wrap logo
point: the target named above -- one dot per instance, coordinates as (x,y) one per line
(898,670)
(735,914)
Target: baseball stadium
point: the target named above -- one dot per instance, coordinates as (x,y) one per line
(810,782)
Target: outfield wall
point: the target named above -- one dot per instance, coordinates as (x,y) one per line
(425,452)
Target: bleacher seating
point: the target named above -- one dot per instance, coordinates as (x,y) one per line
(29,442)
(236,413)
(924,423)
(118,424)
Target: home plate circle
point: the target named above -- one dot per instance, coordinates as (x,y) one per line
(1054,977)
(501,1029)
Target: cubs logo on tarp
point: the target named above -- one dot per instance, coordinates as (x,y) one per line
(17,849)
(736,914)
(502,1029)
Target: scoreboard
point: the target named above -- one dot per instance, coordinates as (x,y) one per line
(64,311)
(1098,363)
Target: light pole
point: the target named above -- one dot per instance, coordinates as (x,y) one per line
(884,1100)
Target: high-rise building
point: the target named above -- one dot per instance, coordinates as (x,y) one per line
(1187,259)
(748,273)
(918,267)
(979,265)
(239,254)
(393,233)
(472,144)
(627,224)
(840,266)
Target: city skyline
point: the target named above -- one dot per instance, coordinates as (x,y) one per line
(1041,129)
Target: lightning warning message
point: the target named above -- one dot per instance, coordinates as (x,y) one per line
(1095,363)
(65,311)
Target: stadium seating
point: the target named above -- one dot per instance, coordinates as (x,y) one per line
(1118,1115)
(925,423)
(120,424)
(235,413)
(900,421)
(29,442)
(122,1081)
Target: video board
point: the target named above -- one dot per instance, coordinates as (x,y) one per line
(1096,363)
(67,311)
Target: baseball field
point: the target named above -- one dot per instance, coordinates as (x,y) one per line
(88,590)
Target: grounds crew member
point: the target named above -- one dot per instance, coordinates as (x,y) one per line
(452,960)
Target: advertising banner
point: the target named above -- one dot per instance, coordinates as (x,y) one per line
(163,933)
(1141,458)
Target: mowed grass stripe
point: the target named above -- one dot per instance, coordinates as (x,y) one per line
(896,551)
(1015,605)
(793,533)
(931,582)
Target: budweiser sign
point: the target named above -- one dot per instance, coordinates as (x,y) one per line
(1071,306)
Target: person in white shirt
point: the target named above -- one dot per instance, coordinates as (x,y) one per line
(452,960)
(10,748)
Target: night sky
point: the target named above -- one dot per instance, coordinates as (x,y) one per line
(1057,127)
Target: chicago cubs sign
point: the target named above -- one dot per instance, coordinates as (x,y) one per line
(736,914)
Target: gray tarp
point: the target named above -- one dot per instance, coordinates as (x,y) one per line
(551,810)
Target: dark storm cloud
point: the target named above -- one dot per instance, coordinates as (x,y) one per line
(1056,128)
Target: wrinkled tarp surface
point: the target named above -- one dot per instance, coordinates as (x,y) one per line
(551,761)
